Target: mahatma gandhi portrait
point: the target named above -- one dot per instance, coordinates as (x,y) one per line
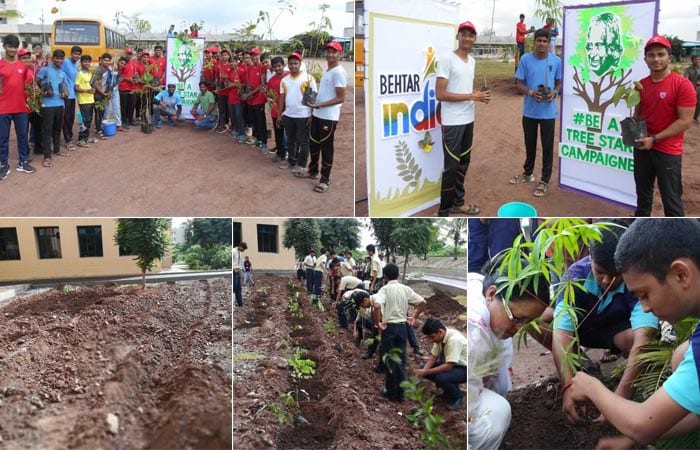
(604,44)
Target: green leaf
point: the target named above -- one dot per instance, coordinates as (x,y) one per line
(619,93)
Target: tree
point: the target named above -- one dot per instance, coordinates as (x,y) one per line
(207,232)
(339,234)
(283,6)
(412,236)
(382,229)
(454,229)
(146,238)
(676,45)
(302,235)
(549,9)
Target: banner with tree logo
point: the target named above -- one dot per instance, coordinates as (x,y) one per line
(404,148)
(603,50)
(184,65)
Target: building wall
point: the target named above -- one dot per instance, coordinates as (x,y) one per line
(70,265)
(10,24)
(282,259)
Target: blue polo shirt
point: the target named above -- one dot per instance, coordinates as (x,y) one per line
(55,77)
(533,72)
(683,386)
(616,301)
(71,70)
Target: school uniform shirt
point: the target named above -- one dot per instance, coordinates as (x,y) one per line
(658,107)
(347,267)
(309,262)
(320,265)
(170,101)
(683,385)
(533,72)
(377,266)
(237,260)
(460,80)
(293,88)
(453,348)
(71,70)
(12,97)
(396,298)
(616,301)
(254,79)
(55,76)
(362,313)
(349,282)
(330,80)
(82,80)
(488,357)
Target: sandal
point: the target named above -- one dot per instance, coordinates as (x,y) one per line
(101,137)
(469,210)
(47,163)
(321,187)
(303,173)
(522,178)
(62,153)
(540,190)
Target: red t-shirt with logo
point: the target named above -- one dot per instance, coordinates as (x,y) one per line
(126,74)
(254,79)
(224,73)
(273,85)
(12,96)
(658,107)
(158,68)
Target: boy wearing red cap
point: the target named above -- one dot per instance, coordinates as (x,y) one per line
(667,103)
(324,117)
(455,89)
(127,78)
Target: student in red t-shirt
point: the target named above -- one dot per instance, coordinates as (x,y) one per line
(223,72)
(158,65)
(13,107)
(140,90)
(273,92)
(668,103)
(256,100)
(127,80)
(235,105)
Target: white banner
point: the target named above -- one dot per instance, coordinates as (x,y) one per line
(404,149)
(184,67)
(603,49)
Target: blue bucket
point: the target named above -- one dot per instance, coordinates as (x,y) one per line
(109,128)
(517,209)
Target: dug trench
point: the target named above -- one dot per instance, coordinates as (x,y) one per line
(118,367)
(341,406)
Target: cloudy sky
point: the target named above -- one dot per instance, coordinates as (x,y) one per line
(217,18)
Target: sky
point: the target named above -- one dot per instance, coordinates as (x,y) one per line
(217,19)
(676,17)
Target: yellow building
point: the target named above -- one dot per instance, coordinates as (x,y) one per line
(264,239)
(52,248)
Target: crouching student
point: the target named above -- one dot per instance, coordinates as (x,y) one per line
(168,103)
(447,365)
(491,321)
(364,327)
(204,109)
(344,308)
(660,262)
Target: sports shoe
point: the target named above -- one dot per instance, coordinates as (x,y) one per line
(522,178)
(4,171)
(25,167)
(83,144)
(285,165)
(159,124)
(171,122)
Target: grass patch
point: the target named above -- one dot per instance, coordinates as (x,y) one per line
(492,69)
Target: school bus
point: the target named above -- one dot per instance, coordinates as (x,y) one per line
(93,36)
(360,67)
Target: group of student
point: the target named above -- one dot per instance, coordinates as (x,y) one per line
(634,279)
(377,309)
(304,115)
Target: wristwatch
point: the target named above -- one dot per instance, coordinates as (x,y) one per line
(655,139)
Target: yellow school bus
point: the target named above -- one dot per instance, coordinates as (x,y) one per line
(360,67)
(93,36)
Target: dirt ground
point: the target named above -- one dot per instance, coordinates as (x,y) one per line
(179,172)
(498,155)
(156,362)
(343,407)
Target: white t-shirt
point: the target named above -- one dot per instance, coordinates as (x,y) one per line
(331,79)
(293,90)
(460,80)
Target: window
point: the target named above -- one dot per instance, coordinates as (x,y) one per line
(76,33)
(48,241)
(267,238)
(9,246)
(90,241)
(237,233)
(3,20)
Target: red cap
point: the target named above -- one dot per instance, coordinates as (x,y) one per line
(466,26)
(255,51)
(23,52)
(145,53)
(334,45)
(658,40)
(215,49)
(296,55)
(129,51)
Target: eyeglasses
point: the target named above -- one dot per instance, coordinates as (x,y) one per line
(511,317)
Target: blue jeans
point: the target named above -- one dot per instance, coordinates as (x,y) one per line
(237,120)
(208,122)
(21,123)
(449,381)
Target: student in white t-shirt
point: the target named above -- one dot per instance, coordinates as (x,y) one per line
(454,88)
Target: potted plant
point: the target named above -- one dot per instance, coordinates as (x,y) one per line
(632,128)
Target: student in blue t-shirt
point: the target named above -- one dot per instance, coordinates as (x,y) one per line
(660,262)
(538,72)
(169,104)
(607,315)
(50,79)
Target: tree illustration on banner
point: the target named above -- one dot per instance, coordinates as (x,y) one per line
(602,61)
(183,61)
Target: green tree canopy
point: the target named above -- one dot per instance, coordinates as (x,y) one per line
(340,234)
(456,230)
(302,235)
(412,237)
(146,238)
(207,232)
(382,229)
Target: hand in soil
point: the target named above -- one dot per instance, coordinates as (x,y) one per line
(601,420)
(570,409)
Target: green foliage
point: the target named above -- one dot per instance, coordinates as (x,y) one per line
(329,327)
(146,238)
(339,234)
(302,235)
(207,244)
(392,358)
(283,6)
(424,417)
(294,307)
(629,94)
(207,232)
(676,45)
(549,9)
(218,256)
(455,229)
(382,229)
(300,369)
